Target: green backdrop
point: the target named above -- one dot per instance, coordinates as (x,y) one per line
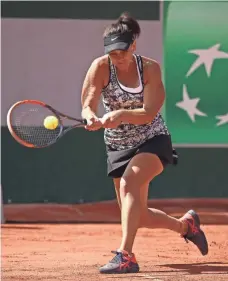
(197,28)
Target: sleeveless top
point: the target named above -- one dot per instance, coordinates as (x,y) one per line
(116,96)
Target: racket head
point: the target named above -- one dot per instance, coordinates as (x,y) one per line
(25,123)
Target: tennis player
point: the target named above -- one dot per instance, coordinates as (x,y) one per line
(138,142)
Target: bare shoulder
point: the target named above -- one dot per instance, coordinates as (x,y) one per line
(151,69)
(99,70)
(149,63)
(100,63)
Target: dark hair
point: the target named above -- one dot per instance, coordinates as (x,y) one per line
(125,23)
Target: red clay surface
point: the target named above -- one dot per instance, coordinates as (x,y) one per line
(74,252)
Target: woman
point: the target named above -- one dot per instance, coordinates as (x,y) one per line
(137,140)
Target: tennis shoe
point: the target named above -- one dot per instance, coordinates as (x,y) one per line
(121,263)
(195,233)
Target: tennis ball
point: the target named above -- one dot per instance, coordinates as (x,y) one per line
(51,122)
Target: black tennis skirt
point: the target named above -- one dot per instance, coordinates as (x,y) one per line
(161,145)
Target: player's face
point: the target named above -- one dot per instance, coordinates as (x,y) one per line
(122,59)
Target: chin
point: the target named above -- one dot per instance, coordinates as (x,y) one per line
(122,65)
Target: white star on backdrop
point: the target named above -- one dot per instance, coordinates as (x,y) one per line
(223,119)
(206,57)
(190,105)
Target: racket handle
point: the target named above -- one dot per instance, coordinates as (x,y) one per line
(84,121)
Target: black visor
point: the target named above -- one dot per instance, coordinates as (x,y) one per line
(120,41)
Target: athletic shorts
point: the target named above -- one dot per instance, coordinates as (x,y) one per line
(117,160)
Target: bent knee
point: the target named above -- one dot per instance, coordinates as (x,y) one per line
(128,185)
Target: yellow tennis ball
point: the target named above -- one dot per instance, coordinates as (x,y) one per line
(51,122)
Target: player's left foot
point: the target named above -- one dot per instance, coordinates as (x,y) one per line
(121,263)
(194,232)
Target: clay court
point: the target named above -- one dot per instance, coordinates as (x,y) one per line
(74,251)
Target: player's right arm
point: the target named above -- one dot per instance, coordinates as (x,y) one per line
(91,91)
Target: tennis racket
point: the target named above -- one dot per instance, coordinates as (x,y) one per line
(25,121)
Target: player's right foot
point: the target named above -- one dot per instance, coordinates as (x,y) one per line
(121,263)
(194,232)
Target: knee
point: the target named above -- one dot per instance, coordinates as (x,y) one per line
(124,183)
(128,186)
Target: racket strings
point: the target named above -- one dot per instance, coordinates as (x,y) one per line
(27,122)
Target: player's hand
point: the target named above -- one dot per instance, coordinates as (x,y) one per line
(93,124)
(111,119)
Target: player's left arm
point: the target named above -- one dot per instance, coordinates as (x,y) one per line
(154,96)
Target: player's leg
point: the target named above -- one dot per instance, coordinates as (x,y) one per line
(116,182)
(188,226)
(152,218)
(136,175)
(140,171)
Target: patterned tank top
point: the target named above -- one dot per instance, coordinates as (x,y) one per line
(116,96)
